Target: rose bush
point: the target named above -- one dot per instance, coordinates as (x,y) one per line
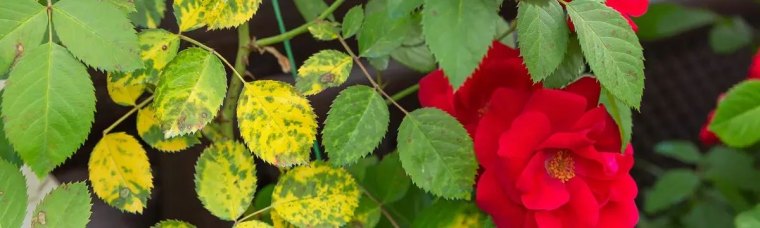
(549,157)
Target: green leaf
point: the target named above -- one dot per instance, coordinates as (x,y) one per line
(543,33)
(262,200)
(48,107)
(355,125)
(190,91)
(737,117)
(13,196)
(387,181)
(405,210)
(310,9)
(353,21)
(437,153)
(367,214)
(380,34)
(680,150)
(611,48)
(727,166)
(324,30)
(69,205)
(730,35)
(171,223)
(124,5)
(379,63)
(225,179)
(120,172)
(748,219)
(149,13)
(673,187)
(572,67)
(359,169)
(401,8)
(444,21)
(316,195)
(22,27)
(413,52)
(665,19)
(449,213)
(621,114)
(6,150)
(325,69)
(708,214)
(98,33)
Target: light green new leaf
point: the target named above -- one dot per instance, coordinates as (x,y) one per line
(444,21)
(352,21)
(447,213)
(310,9)
(324,30)
(748,219)
(437,153)
(48,107)
(173,224)
(277,123)
(355,125)
(387,181)
(190,91)
(225,179)
(680,150)
(149,13)
(380,34)
(543,33)
(316,195)
(68,206)
(12,195)
(253,224)
(738,115)
(673,187)
(611,48)
(572,67)
(120,172)
(23,24)
(98,33)
(327,68)
(730,35)
(126,6)
(621,114)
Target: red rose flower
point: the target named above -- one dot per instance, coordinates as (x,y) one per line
(550,157)
(627,8)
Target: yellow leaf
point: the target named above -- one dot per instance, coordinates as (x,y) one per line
(189,14)
(150,131)
(120,172)
(327,68)
(225,179)
(276,122)
(316,195)
(253,224)
(173,224)
(278,221)
(125,88)
(217,14)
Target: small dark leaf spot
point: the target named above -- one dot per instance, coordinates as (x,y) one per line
(327,78)
(164,47)
(41,218)
(124,193)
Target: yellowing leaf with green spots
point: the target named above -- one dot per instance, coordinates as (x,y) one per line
(120,172)
(150,132)
(276,122)
(217,14)
(149,13)
(316,195)
(324,30)
(445,213)
(278,221)
(173,224)
(327,68)
(190,91)
(157,48)
(253,224)
(225,179)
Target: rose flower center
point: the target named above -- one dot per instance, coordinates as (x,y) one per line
(561,166)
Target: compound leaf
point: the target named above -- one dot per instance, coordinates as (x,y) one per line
(149,130)
(253,224)
(149,13)
(327,68)
(13,195)
(170,223)
(68,206)
(120,172)
(277,123)
(543,33)
(225,179)
(22,27)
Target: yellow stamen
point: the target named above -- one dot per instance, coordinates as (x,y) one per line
(561,166)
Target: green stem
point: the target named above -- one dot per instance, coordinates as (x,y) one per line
(300,29)
(382,208)
(403,93)
(124,117)
(512,27)
(236,86)
(251,215)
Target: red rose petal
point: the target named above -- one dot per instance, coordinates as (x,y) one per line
(539,190)
(527,131)
(582,210)
(587,87)
(496,120)
(754,69)
(562,108)
(491,199)
(619,215)
(435,91)
(635,8)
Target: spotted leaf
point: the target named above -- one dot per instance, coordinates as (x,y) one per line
(324,30)
(173,224)
(316,195)
(445,213)
(225,179)
(276,122)
(149,13)
(69,205)
(13,196)
(327,68)
(190,91)
(120,172)
(217,14)
(355,125)
(279,222)
(253,224)
(150,132)
(22,27)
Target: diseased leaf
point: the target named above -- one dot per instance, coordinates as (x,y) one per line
(316,195)
(355,125)
(48,107)
(680,150)
(120,173)
(310,9)
(543,32)
(325,69)
(380,34)
(225,179)
(621,114)
(611,48)
(277,123)
(149,13)
(673,187)
(253,224)
(150,131)
(730,35)
(446,20)
(13,195)
(445,213)
(67,206)
(352,22)
(736,118)
(572,67)
(437,153)
(22,27)
(102,38)
(190,91)
(217,14)
(157,48)
(324,30)
(173,224)
(387,181)
(278,221)
(124,5)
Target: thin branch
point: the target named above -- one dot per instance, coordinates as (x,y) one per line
(300,29)
(236,86)
(50,20)
(512,27)
(403,93)
(199,44)
(252,214)
(125,116)
(382,209)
